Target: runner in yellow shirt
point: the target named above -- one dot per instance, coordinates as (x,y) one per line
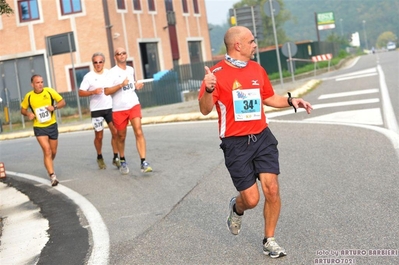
(39,105)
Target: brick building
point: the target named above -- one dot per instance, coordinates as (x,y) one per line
(157,35)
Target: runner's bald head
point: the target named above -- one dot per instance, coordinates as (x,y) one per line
(232,36)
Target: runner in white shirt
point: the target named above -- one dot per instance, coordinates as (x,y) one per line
(100,106)
(121,85)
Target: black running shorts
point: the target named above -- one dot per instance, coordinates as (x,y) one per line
(106,114)
(50,131)
(247,156)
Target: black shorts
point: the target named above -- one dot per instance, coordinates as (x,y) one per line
(247,156)
(105,113)
(50,131)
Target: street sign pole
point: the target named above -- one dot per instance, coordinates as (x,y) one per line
(291,65)
(289,49)
(74,78)
(272,13)
(317,28)
(256,35)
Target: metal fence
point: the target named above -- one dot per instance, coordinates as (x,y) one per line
(168,89)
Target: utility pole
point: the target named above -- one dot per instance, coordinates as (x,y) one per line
(108,28)
(365,34)
(342,29)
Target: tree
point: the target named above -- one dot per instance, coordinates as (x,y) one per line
(335,38)
(5,8)
(384,38)
(216,33)
(267,23)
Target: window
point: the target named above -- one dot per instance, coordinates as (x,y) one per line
(194,49)
(151,5)
(168,5)
(136,5)
(130,63)
(70,6)
(195,4)
(150,58)
(121,4)
(185,7)
(28,10)
(80,72)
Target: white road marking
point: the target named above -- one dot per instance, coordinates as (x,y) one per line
(353,77)
(366,116)
(99,231)
(347,103)
(349,93)
(353,62)
(389,115)
(392,136)
(325,105)
(367,72)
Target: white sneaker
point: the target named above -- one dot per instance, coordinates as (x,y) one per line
(233,220)
(272,249)
(124,169)
(54,180)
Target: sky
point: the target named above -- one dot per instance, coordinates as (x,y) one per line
(217,10)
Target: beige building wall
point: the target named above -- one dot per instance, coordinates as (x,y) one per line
(129,29)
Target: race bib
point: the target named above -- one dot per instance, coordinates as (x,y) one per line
(247,104)
(98,123)
(42,114)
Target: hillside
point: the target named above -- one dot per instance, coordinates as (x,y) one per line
(378,16)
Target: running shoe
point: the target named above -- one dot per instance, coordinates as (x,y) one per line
(101,163)
(116,162)
(124,169)
(145,167)
(233,220)
(54,180)
(272,249)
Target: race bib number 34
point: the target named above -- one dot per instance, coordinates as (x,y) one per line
(247,104)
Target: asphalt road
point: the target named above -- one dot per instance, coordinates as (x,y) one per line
(338,183)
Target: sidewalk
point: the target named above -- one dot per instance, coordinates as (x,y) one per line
(184,111)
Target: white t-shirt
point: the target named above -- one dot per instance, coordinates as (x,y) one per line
(126,97)
(92,81)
